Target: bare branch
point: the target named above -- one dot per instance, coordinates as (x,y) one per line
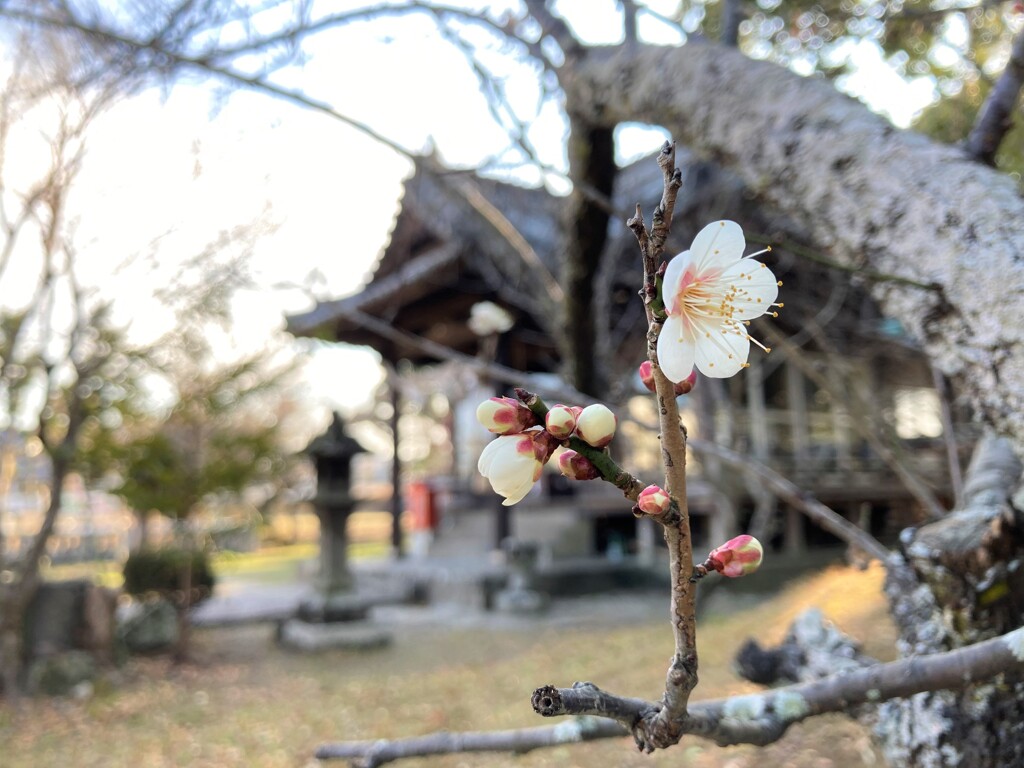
(751,719)
(732,15)
(994,118)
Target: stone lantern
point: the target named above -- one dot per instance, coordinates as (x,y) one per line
(332,453)
(336,616)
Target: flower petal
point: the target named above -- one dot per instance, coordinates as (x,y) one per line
(721,348)
(488,454)
(676,350)
(756,288)
(671,281)
(717,246)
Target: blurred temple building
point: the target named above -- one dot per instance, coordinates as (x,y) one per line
(845,405)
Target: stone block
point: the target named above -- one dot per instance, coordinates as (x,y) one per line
(312,637)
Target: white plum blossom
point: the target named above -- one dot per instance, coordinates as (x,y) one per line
(513,463)
(711,292)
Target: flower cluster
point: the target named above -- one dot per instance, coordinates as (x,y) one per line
(513,461)
(711,293)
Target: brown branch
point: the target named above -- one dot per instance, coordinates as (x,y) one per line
(758,719)
(661,730)
(995,117)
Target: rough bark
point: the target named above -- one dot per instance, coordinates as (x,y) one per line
(959,587)
(876,197)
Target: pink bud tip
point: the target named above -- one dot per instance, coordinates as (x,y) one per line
(576,466)
(505,416)
(685,386)
(647,375)
(737,557)
(596,425)
(653,501)
(560,421)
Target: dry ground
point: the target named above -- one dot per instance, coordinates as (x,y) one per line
(246,703)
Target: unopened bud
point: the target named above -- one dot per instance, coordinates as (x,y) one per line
(647,375)
(596,425)
(653,501)
(737,557)
(505,416)
(560,421)
(576,466)
(683,387)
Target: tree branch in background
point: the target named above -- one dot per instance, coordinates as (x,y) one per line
(995,116)
(732,15)
(869,428)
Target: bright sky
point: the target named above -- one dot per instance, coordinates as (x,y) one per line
(182,166)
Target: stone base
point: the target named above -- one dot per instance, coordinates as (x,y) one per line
(337,607)
(525,601)
(311,637)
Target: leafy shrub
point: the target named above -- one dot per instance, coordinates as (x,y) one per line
(163,571)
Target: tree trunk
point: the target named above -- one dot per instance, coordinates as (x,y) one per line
(876,197)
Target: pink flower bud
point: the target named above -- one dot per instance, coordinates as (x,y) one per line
(596,425)
(647,375)
(576,466)
(560,421)
(737,557)
(653,501)
(505,416)
(683,387)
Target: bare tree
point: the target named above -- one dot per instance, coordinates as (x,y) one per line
(66,372)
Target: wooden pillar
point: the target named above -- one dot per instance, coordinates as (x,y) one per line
(799,423)
(396,471)
(840,422)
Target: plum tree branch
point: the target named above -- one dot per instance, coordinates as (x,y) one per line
(757,719)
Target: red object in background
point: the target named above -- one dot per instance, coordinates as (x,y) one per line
(421,507)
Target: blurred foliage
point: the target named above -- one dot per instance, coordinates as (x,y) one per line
(165,570)
(207,445)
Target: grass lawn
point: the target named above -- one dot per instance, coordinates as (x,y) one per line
(243,702)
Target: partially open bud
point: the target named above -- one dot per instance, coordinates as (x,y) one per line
(737,557)
(683,387)
(560,421)
(596,425)
(513,463)
(576,466)
(653,501)
(505,416)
